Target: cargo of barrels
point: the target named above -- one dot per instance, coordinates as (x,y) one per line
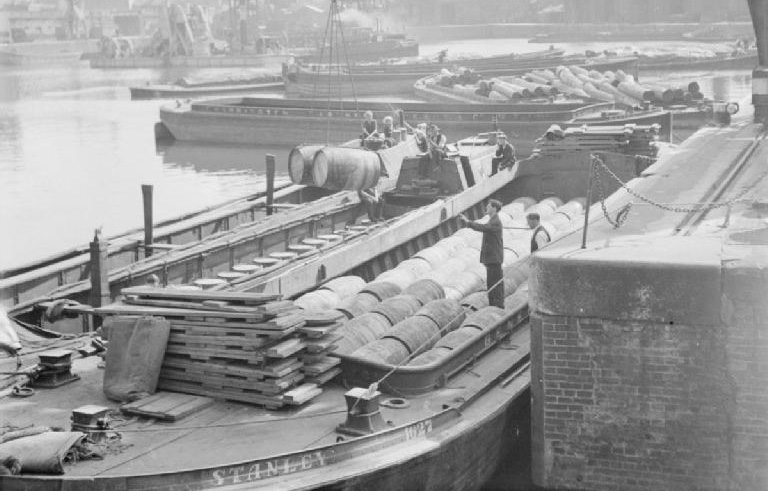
(386,351)
(300,163)
(340,168)
(417,333)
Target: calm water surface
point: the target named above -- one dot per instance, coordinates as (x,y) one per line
(74,151)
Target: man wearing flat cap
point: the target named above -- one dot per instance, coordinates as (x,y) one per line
(505,154)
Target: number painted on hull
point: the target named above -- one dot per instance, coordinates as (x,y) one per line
(422,428)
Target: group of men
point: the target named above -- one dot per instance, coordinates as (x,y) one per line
(492,248)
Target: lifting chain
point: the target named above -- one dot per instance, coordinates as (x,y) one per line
(597,164)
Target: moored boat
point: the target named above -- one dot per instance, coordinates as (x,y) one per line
(254,120)
(398,79)
(723,61)
(185,88)
(428,426)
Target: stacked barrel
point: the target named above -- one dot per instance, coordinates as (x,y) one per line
(436,301)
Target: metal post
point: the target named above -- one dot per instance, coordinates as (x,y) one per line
(99,274)
(146,192)
(588,205)
(270,182)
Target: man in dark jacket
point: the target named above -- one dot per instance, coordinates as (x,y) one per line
(491,252)
(505,155)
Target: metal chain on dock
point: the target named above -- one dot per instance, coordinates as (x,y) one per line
(597,164)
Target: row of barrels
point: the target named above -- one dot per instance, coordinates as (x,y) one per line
(618,87)
(405,310)
(335,168)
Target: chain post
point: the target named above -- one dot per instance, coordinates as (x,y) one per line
(588,204)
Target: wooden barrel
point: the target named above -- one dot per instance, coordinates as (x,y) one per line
(265,262)
(417,333)
(475,301)
(318,243)
(453,294)
(361,331)
(458,338)
(416,266)
(397,308)
(340,168)
(357,305)
(514,276)
(484,319)
(544,210)
(445,273)
(467,282)
(246,268)
(283,255)
(526,201)
(446,314)
(300,163)
(435,255)
(573,208)
(208,283)
(230,276)
(330,237)
(425,290)
(452,243)
(344,286)
(433,355)
(318,300)
(388,351)
(382,290)
(400,277)
(517,300)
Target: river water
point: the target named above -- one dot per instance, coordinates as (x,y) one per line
(74,150)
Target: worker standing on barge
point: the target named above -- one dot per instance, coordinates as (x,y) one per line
(369,127)
(505,155)
(491,251)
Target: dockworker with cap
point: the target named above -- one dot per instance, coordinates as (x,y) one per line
(388,131)
(505,154)
(491,251)
(540,236)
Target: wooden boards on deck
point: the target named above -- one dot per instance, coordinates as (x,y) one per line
(246,347)
(167,406)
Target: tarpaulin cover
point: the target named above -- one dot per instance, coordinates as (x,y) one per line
(9,340)
(43,453)
(135,355)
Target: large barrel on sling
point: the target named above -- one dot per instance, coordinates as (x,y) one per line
(388,350)
(397,308)
(484,319)
(344,286)
(361,331)
(425,290)
(382,290)
(417,333)
(357,305)
(300,163)
(446,314)
(435,354)
(340,168)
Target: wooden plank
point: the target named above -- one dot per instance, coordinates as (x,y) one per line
(217,381)
(319,331)
(231,327)
(320,366)
(321,344)
(134,300)
(285,348)
(167,406)
(271,402)
(302,394)
(324,377)
(125,309)
(242,297)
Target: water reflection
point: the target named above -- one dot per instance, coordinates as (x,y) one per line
(223,158)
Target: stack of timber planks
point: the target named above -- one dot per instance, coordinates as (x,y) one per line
(629,139)
(319,337)
(237,346)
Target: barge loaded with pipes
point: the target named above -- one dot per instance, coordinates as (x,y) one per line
(342,360)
